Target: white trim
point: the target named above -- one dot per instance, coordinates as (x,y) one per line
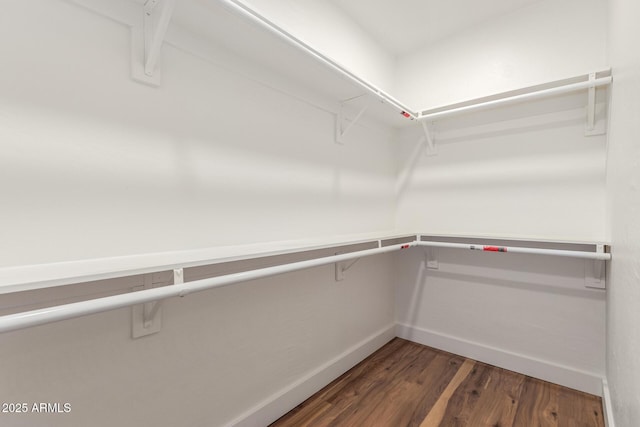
(288,398)
(587,382)
(607,405)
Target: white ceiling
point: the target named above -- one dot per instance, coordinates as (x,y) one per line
(402,26)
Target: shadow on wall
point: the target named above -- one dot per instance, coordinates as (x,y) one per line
(101,165)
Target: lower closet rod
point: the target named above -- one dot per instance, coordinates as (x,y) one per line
(511,249)
(42,316)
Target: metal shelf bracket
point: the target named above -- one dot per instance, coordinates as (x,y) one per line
(431,150)
(147,41)
(341,129)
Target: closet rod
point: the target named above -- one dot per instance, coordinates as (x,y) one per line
(290,38)
(518,98)
(517,250)
(42,316)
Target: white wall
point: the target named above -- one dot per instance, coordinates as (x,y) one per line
(94,164)
(545,41)
(623,182)
(329,30)
(531,314)
(220,354)
(523,171)
(98,165)
(527,170)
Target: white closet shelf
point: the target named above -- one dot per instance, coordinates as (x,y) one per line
(309,50)
(180,288)
(530,93)
(344,85)
(39,276)
(527,240)
(544,89)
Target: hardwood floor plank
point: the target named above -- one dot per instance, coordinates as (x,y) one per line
(408,384)
(460,409)
(383,385)
(498,398)
(579,409)
(396,407)
(436,414)
(308,418)
(348,385)
(538,404)
(434,380)
(438,368)
(398,401)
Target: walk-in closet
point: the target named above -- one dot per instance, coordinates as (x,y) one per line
(319,213)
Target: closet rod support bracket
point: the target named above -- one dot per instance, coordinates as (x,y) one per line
(431,258)
(342,267)
(594,126)
(595,271)
(591,106)
(147,317)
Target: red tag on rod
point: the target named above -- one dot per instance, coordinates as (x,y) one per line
(494,249)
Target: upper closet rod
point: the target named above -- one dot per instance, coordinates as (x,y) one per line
(518,98)
(282,33)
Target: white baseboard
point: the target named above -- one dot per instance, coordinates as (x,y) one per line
(537,368)
(288,398)
(607,405)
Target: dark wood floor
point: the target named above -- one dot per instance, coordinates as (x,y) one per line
(408,384)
